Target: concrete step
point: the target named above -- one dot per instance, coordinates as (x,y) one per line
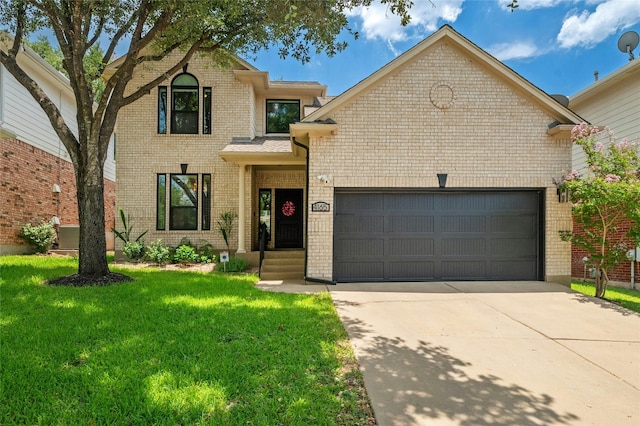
(299,261)
(284,254)
(283,265)
(269,267)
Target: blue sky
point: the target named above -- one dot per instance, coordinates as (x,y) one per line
(555,44)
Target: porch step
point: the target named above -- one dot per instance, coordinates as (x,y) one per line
(283,265)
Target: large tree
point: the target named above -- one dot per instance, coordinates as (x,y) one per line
(150,30)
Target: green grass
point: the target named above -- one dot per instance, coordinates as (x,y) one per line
(171,347)
(629,299)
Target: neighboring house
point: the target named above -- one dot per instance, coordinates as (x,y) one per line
(612,101)
(37,179)
(355,182)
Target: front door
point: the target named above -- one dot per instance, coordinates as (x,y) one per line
(289,212)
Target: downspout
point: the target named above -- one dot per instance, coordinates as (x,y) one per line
(306,203)
(306,219)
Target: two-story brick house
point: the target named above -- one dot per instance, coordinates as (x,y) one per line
(436,167)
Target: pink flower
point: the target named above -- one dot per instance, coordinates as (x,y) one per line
(612,178)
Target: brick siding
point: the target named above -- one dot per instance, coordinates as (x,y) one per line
(620,274)
(395,136)
(27,176)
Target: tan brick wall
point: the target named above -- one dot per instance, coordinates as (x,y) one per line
(27,175)
(394,136)
(142,153)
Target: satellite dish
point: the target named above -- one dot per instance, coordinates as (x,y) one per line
(628,41)
(562,99)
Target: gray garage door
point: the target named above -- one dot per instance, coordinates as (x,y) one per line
(416,236)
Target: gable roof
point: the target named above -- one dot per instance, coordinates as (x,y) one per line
(560,113)
(627,74)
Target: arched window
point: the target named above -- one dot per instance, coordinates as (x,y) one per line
(184,104)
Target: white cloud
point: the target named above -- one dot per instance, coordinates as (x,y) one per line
(588,29)
(519,50)
(379,23)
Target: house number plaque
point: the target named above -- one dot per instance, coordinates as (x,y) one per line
(320,206)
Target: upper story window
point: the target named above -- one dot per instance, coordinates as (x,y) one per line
(281,113)
(184,104)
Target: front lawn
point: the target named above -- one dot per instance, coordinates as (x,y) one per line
(629,299)
(171,347)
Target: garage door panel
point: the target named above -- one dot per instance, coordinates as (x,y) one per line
(466,224)
(464,247)
(356,248)
(514,224)
(463,269)
(513,248)
(409,224)
(361,271)
(359,224)
(435,235)
(511,200)
(469,202)
(399,271)
(513,270)
(400,202)
(411,247)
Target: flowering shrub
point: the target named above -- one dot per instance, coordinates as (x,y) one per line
(40,236)
(607,196)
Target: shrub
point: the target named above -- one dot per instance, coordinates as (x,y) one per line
(235,264)
(134,250)
(158,253)
(206,253)
(185,254)
(39,236)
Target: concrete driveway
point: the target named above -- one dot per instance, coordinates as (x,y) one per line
(499,353)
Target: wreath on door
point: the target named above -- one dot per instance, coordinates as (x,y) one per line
(288,208)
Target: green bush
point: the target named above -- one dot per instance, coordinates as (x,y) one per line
(186,254)
(235,264)
(39,236)
(134,250)
(206,253)
(158,253)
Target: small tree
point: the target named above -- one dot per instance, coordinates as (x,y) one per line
(605,198)
(225,225)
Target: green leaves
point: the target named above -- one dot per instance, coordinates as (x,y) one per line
(605,199)
(125,235)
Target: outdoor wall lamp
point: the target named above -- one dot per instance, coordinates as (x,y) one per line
(324,178)
(183,168)
(563,195)
(442,180)
(56,188)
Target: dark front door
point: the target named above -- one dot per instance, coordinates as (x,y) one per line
(289,213)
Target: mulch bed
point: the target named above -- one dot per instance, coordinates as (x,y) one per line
(76,280)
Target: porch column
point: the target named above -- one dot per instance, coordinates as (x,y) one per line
(241,210)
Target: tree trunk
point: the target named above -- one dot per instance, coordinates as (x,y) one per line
(601,284)
(93,244)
